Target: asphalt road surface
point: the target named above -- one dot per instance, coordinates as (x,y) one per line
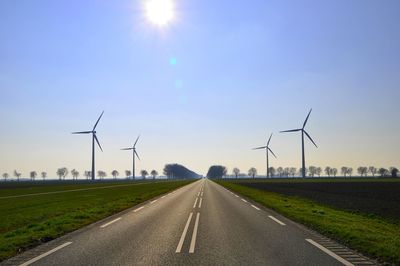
(199,224)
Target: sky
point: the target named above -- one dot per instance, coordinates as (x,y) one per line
(204,89)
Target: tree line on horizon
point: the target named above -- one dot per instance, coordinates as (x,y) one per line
(172,171)
(219,171)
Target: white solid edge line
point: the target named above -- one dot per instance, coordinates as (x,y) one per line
(45,254)
(194,235)
(244,200)
(195,202)
(330,253)
(276,220)
(154,201)
(201,200)
(113,221)
(255,207)
(138,209)
(180,244)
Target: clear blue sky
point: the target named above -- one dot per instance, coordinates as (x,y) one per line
(204,89)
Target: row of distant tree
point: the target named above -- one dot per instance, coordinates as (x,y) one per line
(63,173)
(172,171)
(218,171)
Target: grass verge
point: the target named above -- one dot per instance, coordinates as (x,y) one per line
(373,236)
(29,221)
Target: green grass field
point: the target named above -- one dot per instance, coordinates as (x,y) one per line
(27,221)
(371,235)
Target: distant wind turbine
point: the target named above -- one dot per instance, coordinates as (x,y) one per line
(303,169)
(94,138)
(267,151)
(133,158)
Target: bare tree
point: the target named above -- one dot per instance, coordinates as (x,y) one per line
(334,172)
(280,171)
(101,174)
(292,171)
(75,174)
(362,170)
(252,172)
(17,175)
(393,171)
(62,172)
(318,171)
(344,170)
(272,171)
(312,170)
(33,175)
(128,173)
(349,171)
(87,174)
(383,172)
(5,176)
(286,171)
(154,173)
(328,171)
(115,174)
(236,171)
(373,170)
(44,175)
(144,173)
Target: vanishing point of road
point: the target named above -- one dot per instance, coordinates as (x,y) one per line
(199,224)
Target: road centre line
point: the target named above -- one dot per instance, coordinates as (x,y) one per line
(201,200)
(180,244)
(255,207)
(138,209)
(113,221)
(330,253)
(194,235)
(195,202)
(276,220)
(198,194)
(154,201)
(202,193)
(29,262)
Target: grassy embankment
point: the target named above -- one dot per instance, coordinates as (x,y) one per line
(371,235)
(30,220)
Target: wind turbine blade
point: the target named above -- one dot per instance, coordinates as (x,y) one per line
(259,148)
(95,125)
(126,149)
(272,152)
(292,130)
(310,139)
(98,143)
(82,132)
(137,155)
(305,122)
(269,139)
(134,145)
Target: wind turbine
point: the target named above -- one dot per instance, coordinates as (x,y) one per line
(133,158)
(303,169)
(94,138)
(267,151)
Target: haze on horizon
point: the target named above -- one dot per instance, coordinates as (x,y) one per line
(203,90)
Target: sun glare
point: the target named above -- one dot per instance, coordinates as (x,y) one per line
(159,12)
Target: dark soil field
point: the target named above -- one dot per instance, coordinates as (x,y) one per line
(369,197)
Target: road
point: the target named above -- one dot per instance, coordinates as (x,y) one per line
(199,224)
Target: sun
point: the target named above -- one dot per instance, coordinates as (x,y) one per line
(159,12)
